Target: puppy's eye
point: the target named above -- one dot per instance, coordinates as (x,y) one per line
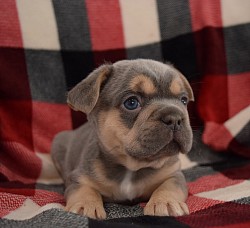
(184,100)
(131,103)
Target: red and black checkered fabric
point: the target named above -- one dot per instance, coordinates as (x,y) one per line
(47,46)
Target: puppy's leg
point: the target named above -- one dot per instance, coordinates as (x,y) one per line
(86,201)
(169,198)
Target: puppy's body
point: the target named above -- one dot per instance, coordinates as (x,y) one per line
(120,181)
(128,150)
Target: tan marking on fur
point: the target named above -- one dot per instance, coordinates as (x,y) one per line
(169,198)
(179,83)
(112,130)
(87,201)
(101,184)
(142,83)
(176,86)
(110,190)
(131,137)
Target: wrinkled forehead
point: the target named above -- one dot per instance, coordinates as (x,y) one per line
(150,78)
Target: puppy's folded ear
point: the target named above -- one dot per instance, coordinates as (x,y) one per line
(84,95)
(188,88)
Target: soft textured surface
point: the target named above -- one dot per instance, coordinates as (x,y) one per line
(46,47)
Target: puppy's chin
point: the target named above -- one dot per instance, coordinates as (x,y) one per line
(168,150)
(177,142)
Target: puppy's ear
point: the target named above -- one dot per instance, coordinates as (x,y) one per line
(188,88)
(84,95)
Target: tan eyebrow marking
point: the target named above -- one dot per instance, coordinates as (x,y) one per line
(176,86)
(143,84)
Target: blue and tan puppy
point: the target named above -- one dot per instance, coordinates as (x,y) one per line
(128,150)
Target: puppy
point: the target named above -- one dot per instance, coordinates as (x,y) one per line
(128,150)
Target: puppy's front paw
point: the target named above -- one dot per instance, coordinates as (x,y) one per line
(89,209)
(168,208)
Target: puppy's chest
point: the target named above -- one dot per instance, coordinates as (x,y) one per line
(127,188)
(132,186)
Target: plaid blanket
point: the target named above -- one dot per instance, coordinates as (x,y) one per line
(47,46)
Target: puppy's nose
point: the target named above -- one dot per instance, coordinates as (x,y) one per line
(173,122)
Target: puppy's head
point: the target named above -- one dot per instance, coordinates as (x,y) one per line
(140,108)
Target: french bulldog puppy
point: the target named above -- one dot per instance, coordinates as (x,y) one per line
(128,150)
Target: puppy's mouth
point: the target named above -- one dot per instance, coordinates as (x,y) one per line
(172,147)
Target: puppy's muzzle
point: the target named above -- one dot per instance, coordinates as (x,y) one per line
(172,118)
(173,122)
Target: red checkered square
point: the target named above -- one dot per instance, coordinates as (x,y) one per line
(10,32)
(196,203)
(213,100)
(16,118)
(106,30)
(18,163)
(47,121)
(216,136)
(205,13)
(238,92)
(10,202)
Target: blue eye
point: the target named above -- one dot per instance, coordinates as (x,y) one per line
(131,103)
